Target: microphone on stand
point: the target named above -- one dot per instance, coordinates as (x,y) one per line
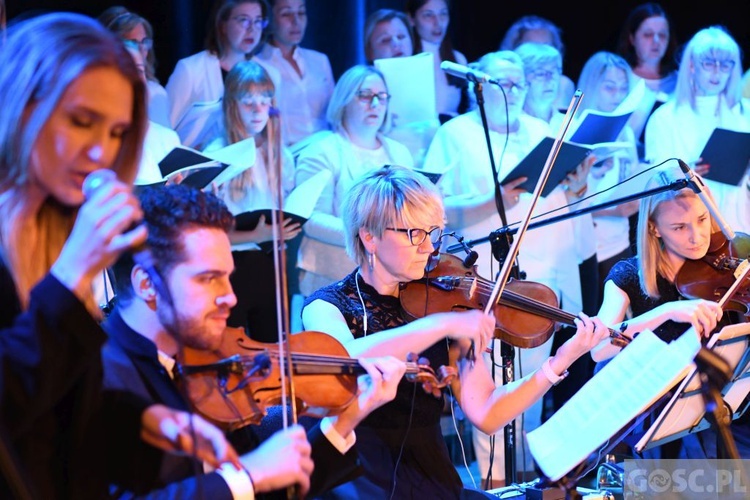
(466,73)
(141,253)
(471,255)
(698,186)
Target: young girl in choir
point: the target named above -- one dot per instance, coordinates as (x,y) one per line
(235,32)
(249,112)
(605,81)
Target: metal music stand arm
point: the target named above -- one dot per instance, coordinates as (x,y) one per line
(674,186)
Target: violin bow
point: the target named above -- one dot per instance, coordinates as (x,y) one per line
(282,312)
(504,273)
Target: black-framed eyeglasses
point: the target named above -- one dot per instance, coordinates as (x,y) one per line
(146,43)
(725,66)
(244,21)
(367,96)
(418,235)
(509,86)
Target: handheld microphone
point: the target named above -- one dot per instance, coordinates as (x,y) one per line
(141,253)
(466,73)
(697,185)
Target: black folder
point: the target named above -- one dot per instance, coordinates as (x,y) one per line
(728,153)
(531,166)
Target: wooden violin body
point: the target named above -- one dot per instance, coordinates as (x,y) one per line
(710,277)
(525,315)
(233,385)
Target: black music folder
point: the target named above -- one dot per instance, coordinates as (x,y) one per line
(531,166)
(728,153)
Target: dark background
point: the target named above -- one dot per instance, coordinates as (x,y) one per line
(477,26)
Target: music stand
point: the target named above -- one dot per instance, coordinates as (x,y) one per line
(685,413)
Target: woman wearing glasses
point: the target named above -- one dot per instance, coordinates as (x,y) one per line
(392,220)
(306,76)
(235,32)
(708,96)
(358,114)
(459,150)
(138,34)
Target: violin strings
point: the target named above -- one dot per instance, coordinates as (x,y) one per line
(514,298)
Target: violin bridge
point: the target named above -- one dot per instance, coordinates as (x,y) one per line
(473,288)
(741,269)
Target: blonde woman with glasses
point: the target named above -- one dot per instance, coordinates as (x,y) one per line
(708,96)
(358,114)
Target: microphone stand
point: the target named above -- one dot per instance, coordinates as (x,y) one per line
(499,233)
(509,261)
(500,252)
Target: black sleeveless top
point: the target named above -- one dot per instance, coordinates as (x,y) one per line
(384,312)
(624,274)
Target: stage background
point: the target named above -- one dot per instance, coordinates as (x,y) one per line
(477,26)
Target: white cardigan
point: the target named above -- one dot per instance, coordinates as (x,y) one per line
(322,250)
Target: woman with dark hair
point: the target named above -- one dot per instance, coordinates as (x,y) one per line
(430,20)
(306,76)
(234,33)
(387,34)
(137,32)
(646,42)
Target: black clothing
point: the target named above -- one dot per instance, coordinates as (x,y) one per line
(54,413)
(131,364)
(404,434)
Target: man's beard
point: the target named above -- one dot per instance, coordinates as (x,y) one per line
(189,332)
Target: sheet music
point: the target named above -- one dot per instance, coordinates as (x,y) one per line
(411,83)
(681,414)
(239,156)
(625,387)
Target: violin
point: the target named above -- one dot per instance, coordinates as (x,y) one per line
(525,314)
(233,385)
(709,278)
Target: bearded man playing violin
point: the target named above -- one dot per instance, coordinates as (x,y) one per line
(187,238)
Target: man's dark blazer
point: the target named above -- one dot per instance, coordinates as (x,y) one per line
(131,363)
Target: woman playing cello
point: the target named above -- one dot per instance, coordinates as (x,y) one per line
(393,219)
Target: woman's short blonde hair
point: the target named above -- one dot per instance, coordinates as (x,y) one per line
(391,196)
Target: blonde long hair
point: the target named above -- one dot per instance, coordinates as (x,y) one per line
(41,58)
(652,256)
(247,78)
